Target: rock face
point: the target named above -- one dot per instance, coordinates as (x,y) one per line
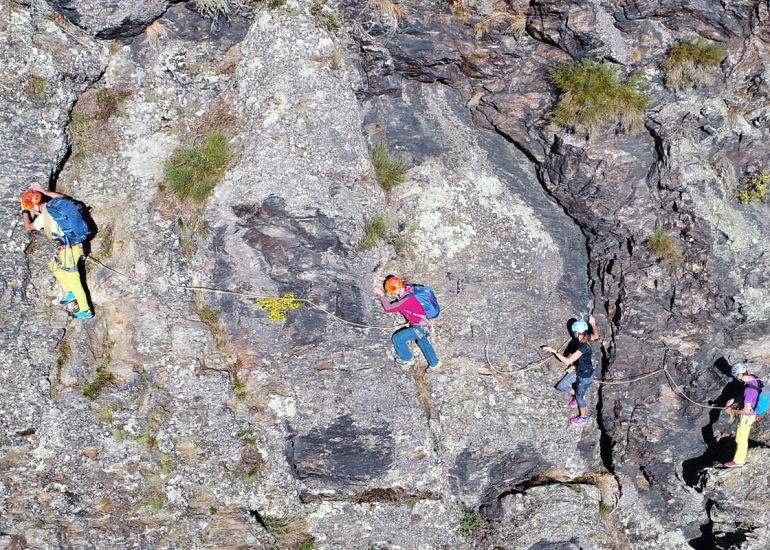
(182,417)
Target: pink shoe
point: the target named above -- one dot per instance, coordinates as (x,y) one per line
(579,420)
(732,464)
(572,404)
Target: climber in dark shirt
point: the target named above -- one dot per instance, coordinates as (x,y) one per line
(584,367)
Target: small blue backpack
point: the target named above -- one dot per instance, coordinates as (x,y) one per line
(427,299)
(68,215)
(763,400)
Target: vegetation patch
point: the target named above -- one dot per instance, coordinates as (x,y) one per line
(692,62)
(754,187)
(103,378)
(36,87)
(193,172)
(472,524)
(278,306)
(289,531)
(375,230)
(65,356)
(389,170)
(664,247)
(604,509)
(592,94)
(88,122)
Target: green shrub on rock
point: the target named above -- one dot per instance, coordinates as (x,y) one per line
(754,187)
(193,172)
(692,63)
(592,94)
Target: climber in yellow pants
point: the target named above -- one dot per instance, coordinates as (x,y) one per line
(64,265)
(744,409)
(65,268)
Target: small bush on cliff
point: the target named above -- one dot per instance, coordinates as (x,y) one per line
(389,170)
(193,172)
(664,247)
(692,63)
(592,94)
(754,187)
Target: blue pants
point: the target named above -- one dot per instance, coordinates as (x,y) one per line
(401,337)
(582,387)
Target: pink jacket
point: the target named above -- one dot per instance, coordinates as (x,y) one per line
(408,306)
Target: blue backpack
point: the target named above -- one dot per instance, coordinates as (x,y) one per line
(68,215)
(763,400)
(427,299)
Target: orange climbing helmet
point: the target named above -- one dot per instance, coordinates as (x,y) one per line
(30,198)
(393,284)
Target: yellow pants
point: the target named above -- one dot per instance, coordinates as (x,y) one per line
(745,422)
(65,269)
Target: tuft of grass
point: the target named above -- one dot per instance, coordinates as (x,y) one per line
(36,87)
(471,523)
(193,172)
(252,475)
(389,171)
(375,230)
(604,509)
(214,9)
(108,101)
(510,23)
(65,356)
(103,378)
(88,126)
(157,503)
(239,388)
(210,317)
(402,243)
(692,63)
(213,510)
(592,94)
(305,545)
(289,531)
(664,247)
(754,187)
(106,242)
(278,306)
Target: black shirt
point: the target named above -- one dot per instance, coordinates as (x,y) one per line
(585,368)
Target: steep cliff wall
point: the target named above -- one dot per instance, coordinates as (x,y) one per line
(181,417)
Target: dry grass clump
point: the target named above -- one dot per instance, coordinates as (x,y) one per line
(88,122)
(592,94)
(508,19)
(692,63)
(664,247)
(385,14)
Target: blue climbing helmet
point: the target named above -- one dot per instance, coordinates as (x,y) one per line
(738,369)
(579,327)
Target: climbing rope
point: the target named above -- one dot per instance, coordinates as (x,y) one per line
(239,293)
(514,368)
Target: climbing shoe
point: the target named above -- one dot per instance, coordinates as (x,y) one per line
(578,420)
(83,314)
(572,404)
(437,365)
(68,299)
(405,363)
(732,464)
